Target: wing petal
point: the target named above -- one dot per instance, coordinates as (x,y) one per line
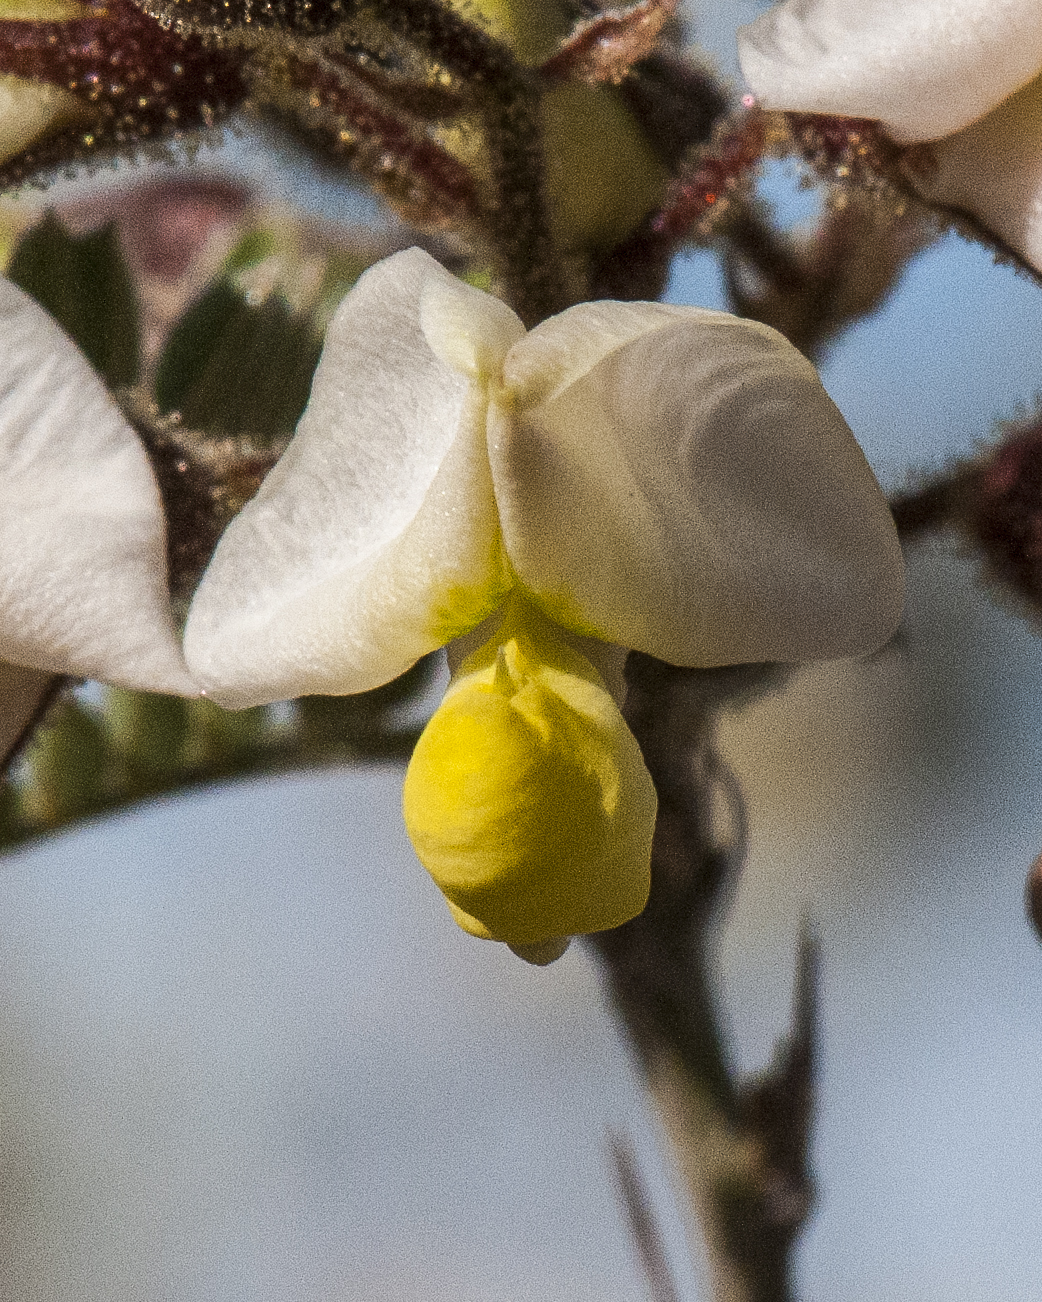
(993,170)
(375,539)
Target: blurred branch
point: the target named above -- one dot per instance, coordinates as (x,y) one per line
(25,697)
(994,501)
(811,288)
(932,505)
(641,1219)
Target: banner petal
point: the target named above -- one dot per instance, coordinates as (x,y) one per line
(695,495)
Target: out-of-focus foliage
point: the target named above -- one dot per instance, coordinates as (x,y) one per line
(85,285)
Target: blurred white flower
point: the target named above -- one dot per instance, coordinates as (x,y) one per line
(963,74)
(82,533)
(624,475)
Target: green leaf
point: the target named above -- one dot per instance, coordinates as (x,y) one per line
(192,341)
(69,761)
(83,281)
(256,245)
(231,368)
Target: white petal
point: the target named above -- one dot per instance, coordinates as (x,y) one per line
(558,351)
(923,67)
(696,495)
(375,539)
(993,169)
(82,534)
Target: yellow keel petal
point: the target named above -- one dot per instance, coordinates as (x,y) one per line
(527,798)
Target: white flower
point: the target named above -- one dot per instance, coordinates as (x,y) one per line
(82,534)
(662,478)
(964,74)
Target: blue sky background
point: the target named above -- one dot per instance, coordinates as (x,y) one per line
(248,1058)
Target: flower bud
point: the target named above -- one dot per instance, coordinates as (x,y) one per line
(602,176)
(532,28)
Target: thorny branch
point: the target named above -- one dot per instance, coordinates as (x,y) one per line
(994,503)
(742,1145)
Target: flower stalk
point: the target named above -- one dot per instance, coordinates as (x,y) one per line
(741,1145)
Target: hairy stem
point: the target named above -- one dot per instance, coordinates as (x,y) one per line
(525,257)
